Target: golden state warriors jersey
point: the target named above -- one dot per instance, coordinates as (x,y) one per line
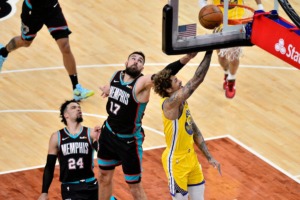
(233,12)
(179,159)
(178,132)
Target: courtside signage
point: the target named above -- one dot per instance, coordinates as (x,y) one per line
(278,37)
(290,52)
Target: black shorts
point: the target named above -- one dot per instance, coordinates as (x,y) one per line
(83,191)
(116,150)
(34,19)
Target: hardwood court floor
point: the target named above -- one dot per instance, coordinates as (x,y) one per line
(244,177)
(264,115)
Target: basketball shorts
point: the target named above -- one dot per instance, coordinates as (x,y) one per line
(84,191)
(182,170)
(116,149)
(34,19)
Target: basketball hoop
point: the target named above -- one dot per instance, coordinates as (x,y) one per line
(237,36)
(238,14)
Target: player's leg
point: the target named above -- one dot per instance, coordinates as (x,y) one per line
(31,24)
(179,196)
(177,168)
(107,162)
(196,180)
(68,57)
(231,79)
(196,192)
(225,65)
(232,56)
(131,154)
(59,30)
(137,191)
(105,184)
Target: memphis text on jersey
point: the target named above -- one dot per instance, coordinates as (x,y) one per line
(75,148)
(119,95)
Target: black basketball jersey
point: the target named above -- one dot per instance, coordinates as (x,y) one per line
(125,113)
(75,155)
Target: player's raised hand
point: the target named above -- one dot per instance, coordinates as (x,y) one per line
(105,90)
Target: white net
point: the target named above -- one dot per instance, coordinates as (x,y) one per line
(231,54)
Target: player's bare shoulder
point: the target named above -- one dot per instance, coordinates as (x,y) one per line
(143,83)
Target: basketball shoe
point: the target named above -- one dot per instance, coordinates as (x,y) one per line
(230,89)
(225,81)
(80,93)
(2,59)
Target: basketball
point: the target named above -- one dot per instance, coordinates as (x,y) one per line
(210,16)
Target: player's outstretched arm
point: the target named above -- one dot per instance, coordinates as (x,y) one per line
(176,66)
(146,82)
(200,143)
(171,104)
(192,84)
(104,90)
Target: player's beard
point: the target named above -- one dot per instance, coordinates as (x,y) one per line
(133,72)
(79,119)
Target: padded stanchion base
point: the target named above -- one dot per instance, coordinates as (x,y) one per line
(277,36)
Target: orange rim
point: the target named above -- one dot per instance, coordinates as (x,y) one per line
(242,20)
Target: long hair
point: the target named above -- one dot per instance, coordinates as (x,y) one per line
(162,81)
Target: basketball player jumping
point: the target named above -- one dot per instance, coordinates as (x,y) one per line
(229,58)
(36,13)
(122,135)
(180,162)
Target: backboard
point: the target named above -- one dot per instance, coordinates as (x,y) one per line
(231,36)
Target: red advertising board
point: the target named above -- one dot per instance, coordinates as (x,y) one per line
(277,36)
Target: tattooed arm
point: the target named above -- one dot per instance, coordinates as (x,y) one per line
(174,102)
(198,77)
(200,143)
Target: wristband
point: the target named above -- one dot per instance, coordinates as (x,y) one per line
(174,67)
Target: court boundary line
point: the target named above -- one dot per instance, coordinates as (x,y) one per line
(264,159)
(147,64)
(155,147)
(13,4)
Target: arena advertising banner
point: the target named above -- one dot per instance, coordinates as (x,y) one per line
(277,36)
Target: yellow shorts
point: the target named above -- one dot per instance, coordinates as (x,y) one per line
(182,170)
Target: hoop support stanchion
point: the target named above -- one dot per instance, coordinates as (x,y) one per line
(277,36)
